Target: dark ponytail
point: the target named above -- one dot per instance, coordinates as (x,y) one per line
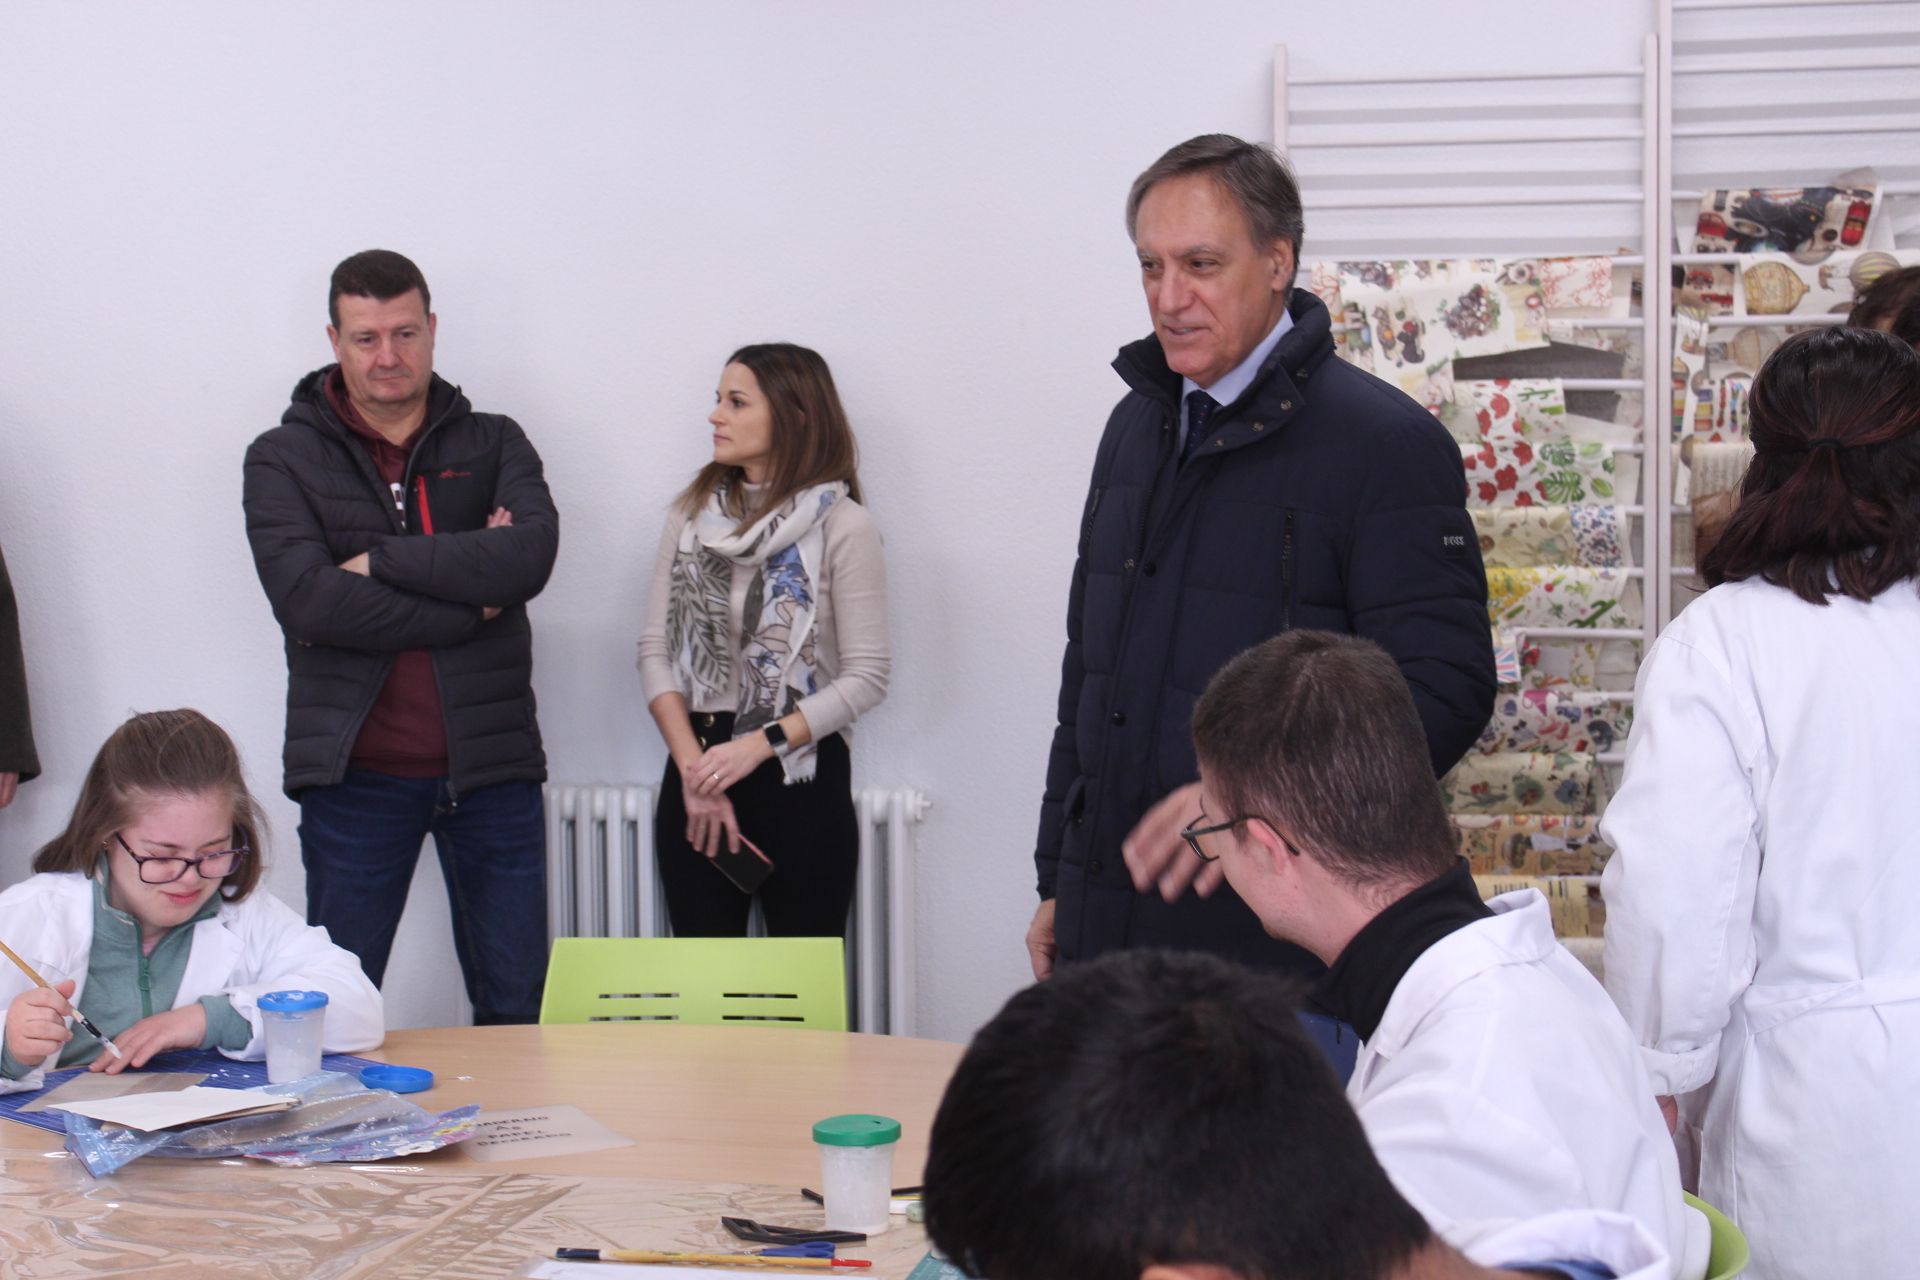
(1832,500)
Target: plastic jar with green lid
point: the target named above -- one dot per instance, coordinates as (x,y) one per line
(856,1170)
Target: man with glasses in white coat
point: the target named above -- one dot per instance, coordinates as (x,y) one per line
(1495,1079)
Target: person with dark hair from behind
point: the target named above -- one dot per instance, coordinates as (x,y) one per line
(1494,1077)
(399,535)
(1156,1115)
(1881,304)
(1766,873)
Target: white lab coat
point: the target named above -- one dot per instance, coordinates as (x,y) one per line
(1612,1240)
(1760,915)
(1502,1084)
(243,951)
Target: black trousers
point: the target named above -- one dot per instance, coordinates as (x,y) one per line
(809,831)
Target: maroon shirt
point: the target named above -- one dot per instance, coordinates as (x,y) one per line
(405,734)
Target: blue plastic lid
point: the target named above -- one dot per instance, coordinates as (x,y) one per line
(397,1079)
(293,1001)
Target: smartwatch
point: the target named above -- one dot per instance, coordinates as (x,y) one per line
(777,739)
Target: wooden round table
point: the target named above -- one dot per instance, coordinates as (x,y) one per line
(720,1119)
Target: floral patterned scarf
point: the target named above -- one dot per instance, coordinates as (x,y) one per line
(774,667)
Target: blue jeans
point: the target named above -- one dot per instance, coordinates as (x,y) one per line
(360,840)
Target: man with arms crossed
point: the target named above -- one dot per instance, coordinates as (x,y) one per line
(1159,1116)
(399,535)
(1248,483)
(1495,1077)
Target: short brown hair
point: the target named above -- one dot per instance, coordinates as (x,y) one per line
(157,753)
(1254,175)
(1317,734)
(380,274)
(1832,500)
(812,440)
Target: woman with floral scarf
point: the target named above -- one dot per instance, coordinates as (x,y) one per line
(766,637)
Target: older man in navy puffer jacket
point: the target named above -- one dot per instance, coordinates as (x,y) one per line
(1249,482)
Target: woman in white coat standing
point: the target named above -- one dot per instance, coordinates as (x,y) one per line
(1761,938)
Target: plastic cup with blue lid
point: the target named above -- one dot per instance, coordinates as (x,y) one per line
(295,1024)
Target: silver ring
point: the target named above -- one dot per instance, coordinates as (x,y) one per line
(713,777)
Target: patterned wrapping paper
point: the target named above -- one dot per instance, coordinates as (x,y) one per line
(1520,473)
(1524,782)
(1555,720)
(1562,596)
(1575,283)
(1579,665)
(1416,316)
(1506,408)
(1532,844)
(1525,537)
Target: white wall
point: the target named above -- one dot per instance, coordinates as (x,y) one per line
(607,198)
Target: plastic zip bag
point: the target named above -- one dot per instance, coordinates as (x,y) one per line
(336,1119)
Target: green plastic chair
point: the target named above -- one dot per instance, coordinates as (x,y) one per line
(749,982)
(1727,1252)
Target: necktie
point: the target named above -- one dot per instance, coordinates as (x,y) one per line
(1200,407)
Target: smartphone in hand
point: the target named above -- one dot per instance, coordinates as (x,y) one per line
(748,869)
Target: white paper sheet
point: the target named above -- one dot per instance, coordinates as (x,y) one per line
(150,1111)
(91,1086)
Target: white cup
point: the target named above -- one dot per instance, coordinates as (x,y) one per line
(856,1170)
(296,1023)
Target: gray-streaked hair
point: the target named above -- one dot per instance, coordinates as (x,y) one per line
(1317,734)
(1253,174)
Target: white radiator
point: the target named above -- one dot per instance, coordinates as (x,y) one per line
(603,882)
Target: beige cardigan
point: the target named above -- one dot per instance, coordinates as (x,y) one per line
(852,655)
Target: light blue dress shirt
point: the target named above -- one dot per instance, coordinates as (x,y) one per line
(1237,379)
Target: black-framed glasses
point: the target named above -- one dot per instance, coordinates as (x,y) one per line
(162,870)
(1192,836)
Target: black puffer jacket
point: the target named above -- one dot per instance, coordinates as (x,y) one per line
(1322,499)
(313,499)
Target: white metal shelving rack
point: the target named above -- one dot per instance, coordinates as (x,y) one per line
(1782,92)
(1504,165)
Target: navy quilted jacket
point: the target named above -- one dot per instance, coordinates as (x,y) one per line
(1322,498)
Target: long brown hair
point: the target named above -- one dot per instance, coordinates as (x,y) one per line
(1832,500)
(157,753)
(812,441)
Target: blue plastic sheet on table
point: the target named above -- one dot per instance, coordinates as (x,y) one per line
(221,1071)
(336,1119)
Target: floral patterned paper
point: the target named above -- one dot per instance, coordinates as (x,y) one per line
(1524,782)
(1484,410)
(1520,473)
(1524,537)
(1578,665)
(1528,844)
(1562,596)
(1417,315)
(1555,720)
(1570,283)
